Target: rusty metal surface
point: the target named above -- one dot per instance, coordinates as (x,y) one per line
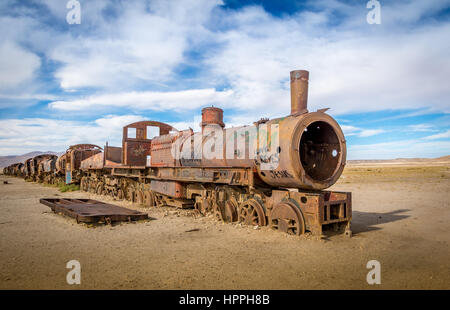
(113,155)
(93,162)
(308,149)
(252,213)
(136,149)
(212,115)
(92,211)
(36,165)
(286,217)
(48,165)
(161,150)
(60,164)
(231,176)
(75,154)
(84,147)
(169,188)
(27,168)
(299,92)
(311,152)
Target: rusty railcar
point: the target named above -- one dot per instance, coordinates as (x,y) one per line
(283,184)
(18,169)
(7,170)
(70,162)
(38,171)
(60,170)
(46,169)
(14,170)
(27,168)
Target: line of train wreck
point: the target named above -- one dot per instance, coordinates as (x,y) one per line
(274,172)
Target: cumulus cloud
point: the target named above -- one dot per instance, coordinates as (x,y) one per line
(148,42)
(132,46)
(157,101)
(18,136)
(353,67)
(183,55)
(17,66)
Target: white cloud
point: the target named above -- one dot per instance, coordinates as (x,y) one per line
(18,136)
(370,132)
(353,67)
(421,128)
(356,131)
(134,54)
(148,42)
(159,101)
(17,66)
(25,96)
(350,130)
(441,135)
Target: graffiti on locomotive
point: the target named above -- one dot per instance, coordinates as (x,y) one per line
(248,142)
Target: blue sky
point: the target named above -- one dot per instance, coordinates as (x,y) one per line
(387,84)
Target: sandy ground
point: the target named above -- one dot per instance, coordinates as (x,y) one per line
(401,218)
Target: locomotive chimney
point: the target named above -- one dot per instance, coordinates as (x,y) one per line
(299,92)
(212,115)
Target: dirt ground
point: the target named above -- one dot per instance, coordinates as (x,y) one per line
(400,218)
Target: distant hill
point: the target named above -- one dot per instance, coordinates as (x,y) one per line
(12,159)
(402,161)
(444,158)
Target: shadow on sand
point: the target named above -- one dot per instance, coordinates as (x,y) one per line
(366,221)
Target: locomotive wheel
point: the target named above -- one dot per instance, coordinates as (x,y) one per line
(130,194)
(203,207)
(252,213)
(139,196)
(120,194)
(230,213)
(149,198)
(92,186)
(160,201)
(99,190)
(217,211)
(286,217)
(197,207)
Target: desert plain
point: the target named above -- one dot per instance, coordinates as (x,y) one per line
(401,217)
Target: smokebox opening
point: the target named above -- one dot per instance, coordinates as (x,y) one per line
(319,151)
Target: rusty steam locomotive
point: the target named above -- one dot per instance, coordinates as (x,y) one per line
(274,172)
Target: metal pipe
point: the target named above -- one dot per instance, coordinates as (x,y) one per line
(299,92)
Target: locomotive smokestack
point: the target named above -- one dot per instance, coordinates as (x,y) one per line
(212,116)
(299,91)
